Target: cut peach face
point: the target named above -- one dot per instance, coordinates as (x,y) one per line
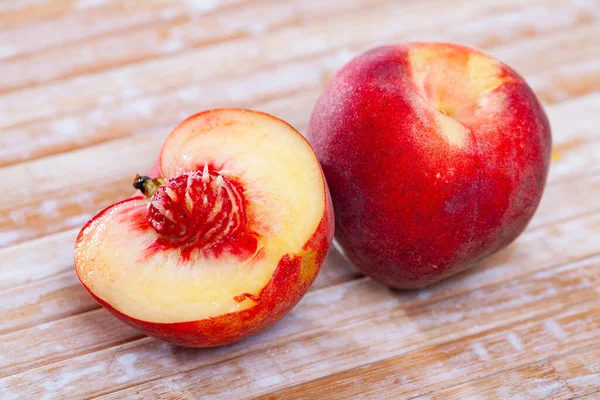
(222,242)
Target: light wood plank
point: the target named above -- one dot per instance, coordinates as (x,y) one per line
(28,28)
(154,41)
(30,12)
(592,396)
(562,42)
(27,12)
(567,199)
(139,113)
(391,332)
(60,340)
(159,39)
(567,376)
(224,60)
(578,159)
(560,87)
(62,210)
(76,184)
(335,306)
(36,259)
(42,301)
(464,362)
(145,115)
(575,137)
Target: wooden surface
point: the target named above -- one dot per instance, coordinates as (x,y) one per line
(88,91)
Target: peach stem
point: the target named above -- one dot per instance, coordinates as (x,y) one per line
(147,185)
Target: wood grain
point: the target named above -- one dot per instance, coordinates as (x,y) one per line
(400,329)
(570,375)
(114,114)
(90,88)
(336,331)
(507,354)
(65,21)
(592,396)
(166,37)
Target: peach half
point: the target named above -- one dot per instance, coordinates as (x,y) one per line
(223,243)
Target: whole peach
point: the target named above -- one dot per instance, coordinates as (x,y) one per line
(436,156)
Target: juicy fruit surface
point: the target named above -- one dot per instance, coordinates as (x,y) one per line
(436,156)
(202,212)
(243,191)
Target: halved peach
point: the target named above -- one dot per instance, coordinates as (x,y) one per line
(223,243)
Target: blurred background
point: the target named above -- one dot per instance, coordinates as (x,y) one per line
(90,88)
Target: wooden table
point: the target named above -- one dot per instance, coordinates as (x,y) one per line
(88,91)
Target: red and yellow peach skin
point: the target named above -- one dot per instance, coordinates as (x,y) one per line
(436,156)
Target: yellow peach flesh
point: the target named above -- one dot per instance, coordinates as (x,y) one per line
(285,201)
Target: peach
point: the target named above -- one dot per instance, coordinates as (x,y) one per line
(436,156)
(225,238)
